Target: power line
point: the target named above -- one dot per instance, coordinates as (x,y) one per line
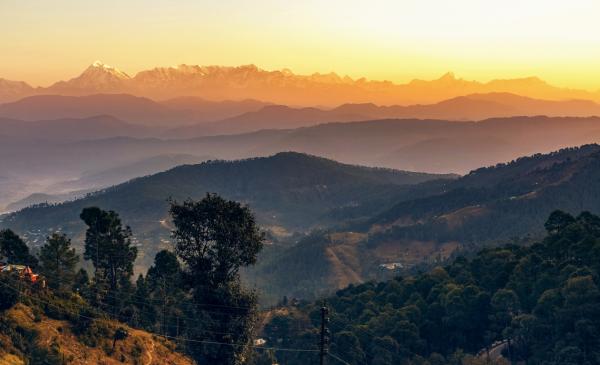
(123,318)
(241,345)
(159,302)
(197,304)
(339,359)
(208,342)
(80,307)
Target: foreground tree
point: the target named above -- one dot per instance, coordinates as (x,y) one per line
(164,281)
(57,261)
(14,250)
(214,238)
(8,295)
(108,246)
(166,269)
(557,221)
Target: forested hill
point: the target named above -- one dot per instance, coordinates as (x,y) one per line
(489,206)
(288,191)
(544,298)
(500,202)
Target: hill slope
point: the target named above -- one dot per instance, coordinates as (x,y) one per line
(288,191)
(502,201)
(537,296)
(50,341)
(508,202)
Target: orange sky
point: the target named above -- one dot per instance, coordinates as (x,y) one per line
(559,41)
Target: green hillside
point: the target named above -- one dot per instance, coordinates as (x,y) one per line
(543,298)
(288,191)
(489,206)
(500,202)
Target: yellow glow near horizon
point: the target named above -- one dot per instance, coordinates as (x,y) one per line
(43,41)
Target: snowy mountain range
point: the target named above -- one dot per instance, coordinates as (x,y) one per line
(280,86)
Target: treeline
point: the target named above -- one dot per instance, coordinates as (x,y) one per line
(192,296)
(542,301)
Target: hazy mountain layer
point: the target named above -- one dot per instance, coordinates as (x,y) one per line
(34,166)
(465,108)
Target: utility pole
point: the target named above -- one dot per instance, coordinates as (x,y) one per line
(324,341)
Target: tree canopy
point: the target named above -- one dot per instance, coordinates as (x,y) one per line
(14,250)
(108,245)
(544,298)
(58,261)
(214,238)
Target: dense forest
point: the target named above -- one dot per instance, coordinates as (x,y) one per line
(537,304)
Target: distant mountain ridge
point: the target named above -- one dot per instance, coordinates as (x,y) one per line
(129,108)
(283,86)
(187,117)
(475,107)
(70,129)
(30,165)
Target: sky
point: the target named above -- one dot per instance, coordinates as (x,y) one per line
(42,41)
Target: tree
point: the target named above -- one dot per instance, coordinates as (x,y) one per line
(14,249)
(108,246)
(120,335)
(8,294)
(164,279)
(58,260)
(348,344)
(214,237)
(166,267)
(557,221)
(146,312)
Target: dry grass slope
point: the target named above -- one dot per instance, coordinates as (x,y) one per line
(139,348)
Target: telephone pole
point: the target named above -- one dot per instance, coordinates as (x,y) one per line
(324,341)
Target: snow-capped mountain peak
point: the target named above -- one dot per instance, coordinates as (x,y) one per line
(97,78)
(99,67)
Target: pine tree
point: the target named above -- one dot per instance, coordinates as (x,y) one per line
(215,238)
(58,261)
(14,250)
(108,246)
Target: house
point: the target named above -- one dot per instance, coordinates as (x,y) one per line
(259,342)
(24,272)
(392,266)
